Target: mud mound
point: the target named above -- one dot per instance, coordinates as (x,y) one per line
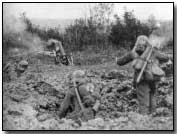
(28,102)
(32,101)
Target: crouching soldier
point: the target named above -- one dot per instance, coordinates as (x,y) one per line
(152,73)
(15,70)
(58,51)
(22,66)
(88,97)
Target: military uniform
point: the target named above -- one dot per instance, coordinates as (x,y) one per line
(14,70)
(21,67)
(57,48)
(146,88)
(86,91)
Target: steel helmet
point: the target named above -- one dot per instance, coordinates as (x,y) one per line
(142,42)
(79,75)
(23,64)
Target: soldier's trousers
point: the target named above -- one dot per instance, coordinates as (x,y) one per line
(69,99)
(146,97)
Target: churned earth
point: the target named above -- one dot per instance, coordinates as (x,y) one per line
(32,101)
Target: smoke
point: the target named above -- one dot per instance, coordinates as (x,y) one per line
(162,35)
(11,24)
(157,41)
(15,35)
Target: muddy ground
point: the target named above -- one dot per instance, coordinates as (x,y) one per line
(32,101)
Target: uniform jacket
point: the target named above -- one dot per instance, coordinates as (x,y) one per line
(56,46)
(87,98)
(84,93)
(153,67)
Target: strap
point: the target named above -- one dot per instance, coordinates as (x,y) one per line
(149,61)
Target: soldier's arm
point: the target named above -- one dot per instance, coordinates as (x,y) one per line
(126,58)
(54,53)
(162,57)
(6,66)
(96,105)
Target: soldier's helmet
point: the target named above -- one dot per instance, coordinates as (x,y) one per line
(22,65)
(141,44)
(79,76)
(51,42)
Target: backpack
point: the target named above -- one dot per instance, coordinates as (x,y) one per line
(152,71)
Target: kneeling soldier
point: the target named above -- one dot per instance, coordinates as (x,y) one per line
(88,97)
(21,67)
(58,51)
(14,70)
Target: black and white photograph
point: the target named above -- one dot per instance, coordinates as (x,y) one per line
(88,66)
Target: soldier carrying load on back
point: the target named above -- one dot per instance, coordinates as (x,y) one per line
(146,60)
(58,51)
(81,96)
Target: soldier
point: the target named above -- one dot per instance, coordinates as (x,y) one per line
(86,92)
(146,88)
(21,67)
(58,51)
(14,70)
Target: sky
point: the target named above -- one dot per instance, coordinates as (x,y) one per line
(162,11)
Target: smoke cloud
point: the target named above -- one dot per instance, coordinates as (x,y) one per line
(15,36)
(157,41)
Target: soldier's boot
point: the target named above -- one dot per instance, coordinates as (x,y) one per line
(143,95)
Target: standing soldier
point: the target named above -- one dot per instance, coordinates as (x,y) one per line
(89,98)
(58,51)
(146,86)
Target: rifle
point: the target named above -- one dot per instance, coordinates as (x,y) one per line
(78,96)
(86,113)
(144,66)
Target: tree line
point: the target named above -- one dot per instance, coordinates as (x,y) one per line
(97,30)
